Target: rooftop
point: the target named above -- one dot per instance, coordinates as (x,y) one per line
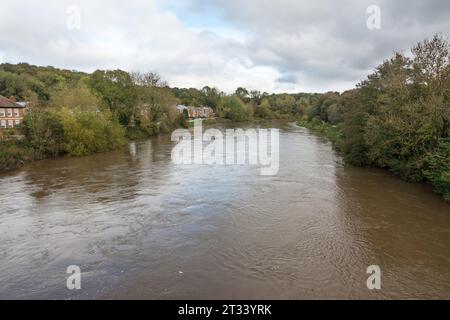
(7,103)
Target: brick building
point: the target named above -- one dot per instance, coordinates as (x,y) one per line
(11,112)
(196,112)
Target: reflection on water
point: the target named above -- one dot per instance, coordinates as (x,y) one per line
(141,227)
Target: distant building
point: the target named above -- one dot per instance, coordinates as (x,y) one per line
(181,108)
(196,112)
(11,112)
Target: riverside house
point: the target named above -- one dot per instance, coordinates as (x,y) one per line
(11,112)
(196,112)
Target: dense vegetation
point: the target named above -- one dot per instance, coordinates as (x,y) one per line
(76,113)
(398,118)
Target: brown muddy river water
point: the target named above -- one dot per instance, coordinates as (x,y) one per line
(142,227)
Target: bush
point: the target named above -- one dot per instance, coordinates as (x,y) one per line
(44,132)
(264,111)
(13,154)
(75,132)
(334,133)
(234,109)
(437,168)
(90,132)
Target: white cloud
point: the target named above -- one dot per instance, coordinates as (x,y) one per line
(272,46)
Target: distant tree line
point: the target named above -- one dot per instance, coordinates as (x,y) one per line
(245,105)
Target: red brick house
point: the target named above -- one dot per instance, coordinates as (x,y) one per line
(11,112)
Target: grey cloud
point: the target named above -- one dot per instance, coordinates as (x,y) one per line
(328,40)
(284,45)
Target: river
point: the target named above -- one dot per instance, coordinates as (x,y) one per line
(139,226)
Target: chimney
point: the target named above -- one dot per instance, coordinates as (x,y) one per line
(13,99)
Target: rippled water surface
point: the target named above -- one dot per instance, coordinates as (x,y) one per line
(141,227)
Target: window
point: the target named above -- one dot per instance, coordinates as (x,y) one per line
(16,112)
(10,124)
(16,122)
(9,112)
(2,113)
(3,123)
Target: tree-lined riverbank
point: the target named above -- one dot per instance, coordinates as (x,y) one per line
(398,119)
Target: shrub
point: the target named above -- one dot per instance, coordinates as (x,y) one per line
(437,168)
(44,132)
(12,154)
(76,132)
(234,109)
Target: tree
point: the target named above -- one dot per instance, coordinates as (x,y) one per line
(234,109)
(430,64)
(264,111)
(210,97)
(257,97)
(399,117)
(79,97)
(242,94)
(148,79)
(11,85)
(116,88)
(44,132)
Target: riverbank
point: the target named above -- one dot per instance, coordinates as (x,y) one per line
(13,154)
(435,170)
(332,132)
(16,153)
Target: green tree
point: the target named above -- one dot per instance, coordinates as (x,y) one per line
(242,94)
(264,110)
(210,97)
(117,90)
(79,97)
(234,109)
(44,132)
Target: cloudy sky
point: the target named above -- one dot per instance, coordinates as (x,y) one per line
(268,45)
